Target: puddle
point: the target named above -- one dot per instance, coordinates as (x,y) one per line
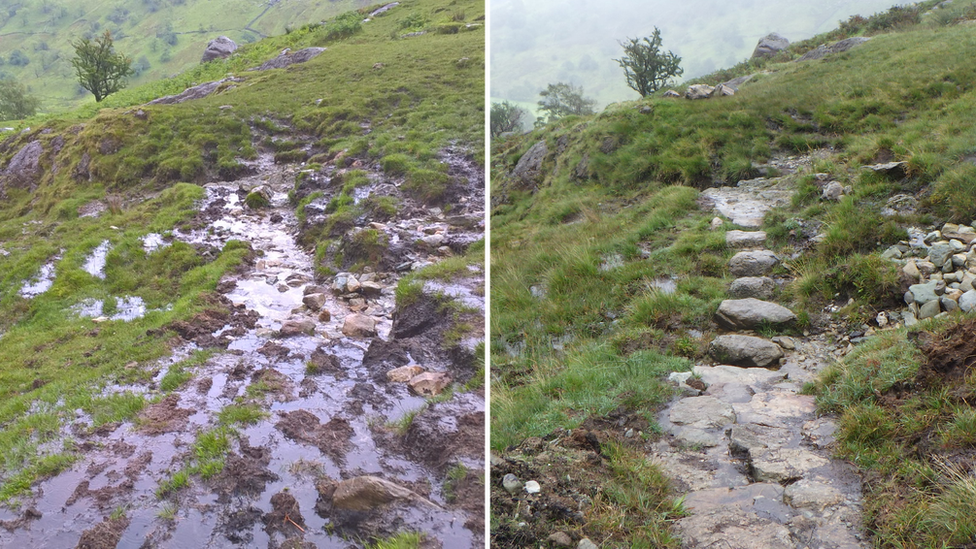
(152,242)
(42,282)
(127,308)
(95,262)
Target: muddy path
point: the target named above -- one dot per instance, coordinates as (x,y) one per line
(325,457)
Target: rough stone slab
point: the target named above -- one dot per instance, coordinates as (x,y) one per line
(749,439)
(693,436)
(731,528)
(754,263)
(730,392)
(808,494)
(702,412)
(775,409)
(741,497)
(750,313)
(784,464)
(751,377)
(758,287)
(748,351)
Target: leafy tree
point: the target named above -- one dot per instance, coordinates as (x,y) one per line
(15,103)
(647,68)
(561,99)
(505,117)
(100,70)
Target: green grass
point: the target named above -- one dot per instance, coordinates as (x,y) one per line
(403,540)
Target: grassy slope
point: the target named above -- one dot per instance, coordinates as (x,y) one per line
(44,31)
(907,95)
(52,362)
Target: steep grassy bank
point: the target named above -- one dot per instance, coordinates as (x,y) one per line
(605,272)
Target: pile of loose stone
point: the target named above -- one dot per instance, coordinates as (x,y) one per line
(943,266)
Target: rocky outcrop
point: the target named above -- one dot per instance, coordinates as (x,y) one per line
(196,92)
(288,57)
(770,45)
(748,314)
(23,169)
(746,351)
(218,48)
(528,171)
(822,50)
(699,91)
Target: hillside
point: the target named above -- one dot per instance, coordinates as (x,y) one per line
(239,304)
(699,331)
(162,37)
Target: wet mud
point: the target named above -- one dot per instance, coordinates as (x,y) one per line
(328,407)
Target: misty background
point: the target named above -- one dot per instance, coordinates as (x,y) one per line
(538,42)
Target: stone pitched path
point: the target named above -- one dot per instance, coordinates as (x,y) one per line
(748,450)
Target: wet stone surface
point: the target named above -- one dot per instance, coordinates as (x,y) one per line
(327,402)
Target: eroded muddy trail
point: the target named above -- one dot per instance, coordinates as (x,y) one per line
(320,446)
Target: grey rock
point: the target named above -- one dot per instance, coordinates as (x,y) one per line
(759,287)
(702,412)
(755,263)
(967,301)
(529,168)
(819,52)
(736,82)
(560,539)
(904,204)
(218,48)
(745,239)
(722,91)
(783,464)
(196,92)
(288,57)
(747,351)
(24,168)
(808,494)
(893,169)
(671,93)
(693,436)
(750,313)
(848,43)
(924,293)
(948,305)
(699,91)
(511,483)
(940,252)
(750,377)
(833,191)
(731,527)
(585,543)
(532,487)
(929,309)
(770,45)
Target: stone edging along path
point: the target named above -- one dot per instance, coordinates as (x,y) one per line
(746,448)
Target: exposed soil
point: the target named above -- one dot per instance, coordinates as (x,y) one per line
(950,356)
(104,535)
(164,416)
(333,438)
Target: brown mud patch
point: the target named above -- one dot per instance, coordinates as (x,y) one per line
(164,416)
(220,312)
(333,438)
(105,534)
(950,357)
(285,516)
(244,474)
(444,432)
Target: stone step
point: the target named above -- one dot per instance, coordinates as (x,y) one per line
(748,351)
(751,313)
(745,239)
(752,263)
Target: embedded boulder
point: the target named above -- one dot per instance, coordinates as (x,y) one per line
(770,45)
(747,351)
(751,313)
(366,493)
(759,287)
(756,263)
(218,48)
(288,57)
(699,91)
